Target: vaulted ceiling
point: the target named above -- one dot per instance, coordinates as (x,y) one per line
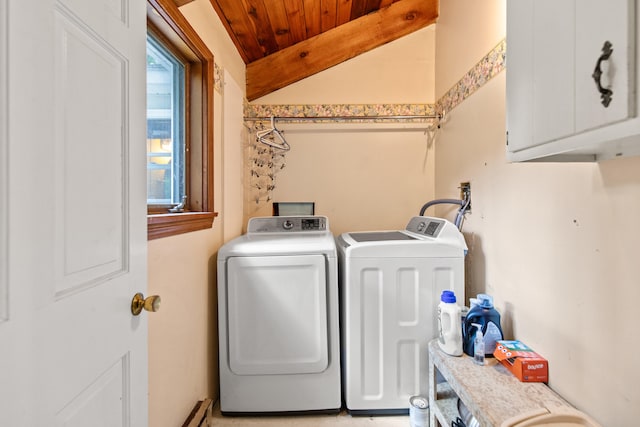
(283,41)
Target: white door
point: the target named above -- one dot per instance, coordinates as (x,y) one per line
(72,213)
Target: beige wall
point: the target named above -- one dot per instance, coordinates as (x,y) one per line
(361,180)
(183,334)
(467,31)
(401,71)
(362,177)
(554,243)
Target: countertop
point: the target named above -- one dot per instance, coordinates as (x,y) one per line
(490,392)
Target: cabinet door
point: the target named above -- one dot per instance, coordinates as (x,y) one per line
(554,105)
(540,71)
(597,23)
(519,74)
(553,69)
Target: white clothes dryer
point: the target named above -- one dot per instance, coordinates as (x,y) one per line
(390,286)
(278,318)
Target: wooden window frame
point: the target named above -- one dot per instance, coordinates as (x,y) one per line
(168,24)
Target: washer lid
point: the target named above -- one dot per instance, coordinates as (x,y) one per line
(380,236)
(423,237)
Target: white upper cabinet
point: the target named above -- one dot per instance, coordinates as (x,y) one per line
(571,80)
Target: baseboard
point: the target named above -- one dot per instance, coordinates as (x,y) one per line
(200,415)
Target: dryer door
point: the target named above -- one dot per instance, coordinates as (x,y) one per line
(277,315)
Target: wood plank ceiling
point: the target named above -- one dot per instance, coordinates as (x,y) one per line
(283,41)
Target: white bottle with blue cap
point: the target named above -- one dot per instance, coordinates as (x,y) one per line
(449,324)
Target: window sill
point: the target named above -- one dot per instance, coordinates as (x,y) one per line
(164,225)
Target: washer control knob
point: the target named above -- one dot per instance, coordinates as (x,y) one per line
(287,224)
(421,226)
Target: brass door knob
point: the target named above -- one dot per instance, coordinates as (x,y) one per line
(139,302)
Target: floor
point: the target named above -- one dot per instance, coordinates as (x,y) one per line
(342,419)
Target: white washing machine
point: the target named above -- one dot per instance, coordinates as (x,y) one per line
(278,318)
(390,286)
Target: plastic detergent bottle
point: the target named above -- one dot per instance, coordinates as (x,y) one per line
(488,317)
(449,324)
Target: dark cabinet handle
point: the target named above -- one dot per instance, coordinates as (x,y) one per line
(605,94)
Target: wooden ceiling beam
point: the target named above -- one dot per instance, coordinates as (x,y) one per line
(327,49)
(182,2)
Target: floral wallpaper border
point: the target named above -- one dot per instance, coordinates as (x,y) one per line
(327,112)
(488,67)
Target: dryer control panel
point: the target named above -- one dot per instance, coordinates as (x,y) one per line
(288,224)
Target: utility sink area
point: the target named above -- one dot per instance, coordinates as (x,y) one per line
(493,396)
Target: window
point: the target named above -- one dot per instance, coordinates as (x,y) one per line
(165,125)
(179,124)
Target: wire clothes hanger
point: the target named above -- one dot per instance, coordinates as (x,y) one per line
(273,137)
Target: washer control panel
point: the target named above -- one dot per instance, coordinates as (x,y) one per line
(287,224)
(430,227)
